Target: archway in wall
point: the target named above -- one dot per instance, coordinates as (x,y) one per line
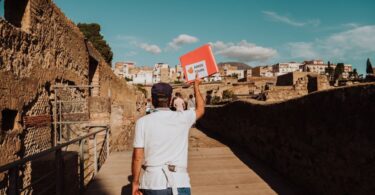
(312,84)
(16,13)
(94,76)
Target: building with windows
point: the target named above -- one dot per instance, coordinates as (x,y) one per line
(176,74)
(124,69)
(318,66)
(240,74)
(283,68)
(213,78)
(228,70)
(161,73)
(262,71)
(143,77)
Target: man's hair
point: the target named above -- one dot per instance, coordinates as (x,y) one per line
(178,94)
(161,101)
(191,96)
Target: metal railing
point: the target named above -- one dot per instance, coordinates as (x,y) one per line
(57,113)
(13,169)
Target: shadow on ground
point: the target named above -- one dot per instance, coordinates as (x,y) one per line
(126,190)
(278,183)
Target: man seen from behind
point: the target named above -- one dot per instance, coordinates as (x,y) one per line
(161,144)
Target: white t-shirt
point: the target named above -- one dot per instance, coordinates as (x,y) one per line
(191,103)
(179,104)
(164,135)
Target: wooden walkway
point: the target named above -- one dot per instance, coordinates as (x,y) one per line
(213,167)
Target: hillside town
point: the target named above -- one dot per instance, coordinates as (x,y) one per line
(280,81)
(163,72)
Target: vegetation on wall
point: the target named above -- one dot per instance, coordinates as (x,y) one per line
(369,69)
(227,94)
(92,32)
(338,71)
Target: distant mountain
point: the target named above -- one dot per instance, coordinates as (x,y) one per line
(240,65)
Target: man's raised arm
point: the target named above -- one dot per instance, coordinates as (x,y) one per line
(199,102)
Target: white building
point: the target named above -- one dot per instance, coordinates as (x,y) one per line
(144,77)
(320,67)
(316,66)
(240,73)
(213,78)
(176,73)
(283,68)
(161,73)
(262,71)
(124,69)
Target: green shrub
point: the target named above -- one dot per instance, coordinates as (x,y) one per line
(227,94)
(215,100)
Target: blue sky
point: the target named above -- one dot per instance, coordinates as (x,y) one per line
(255,32)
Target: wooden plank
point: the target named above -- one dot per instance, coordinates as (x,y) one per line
(213,169)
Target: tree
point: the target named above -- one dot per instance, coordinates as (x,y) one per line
(353,74)
(216,100)
(227,94)
(330,71)
(369,69)
(92,33)
(338,71)
(235,75)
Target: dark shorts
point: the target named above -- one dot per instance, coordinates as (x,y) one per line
(181,191)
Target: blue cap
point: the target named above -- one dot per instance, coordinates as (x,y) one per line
(161,90)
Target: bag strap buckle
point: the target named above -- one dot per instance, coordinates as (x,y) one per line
(172,168)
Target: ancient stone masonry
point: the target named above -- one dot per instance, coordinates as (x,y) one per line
(323,142)
(296,84)
(281,93)
(39,49)
(37,122)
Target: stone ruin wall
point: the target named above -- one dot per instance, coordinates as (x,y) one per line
(289,86)
(44,49)
(282,93)
(32,60)
(296,84)
(124,111)
(216,88)
(323,142)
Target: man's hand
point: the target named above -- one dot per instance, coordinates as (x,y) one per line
(197,80)
(135,189)
(136,169)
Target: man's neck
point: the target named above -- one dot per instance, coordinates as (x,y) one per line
(162,108)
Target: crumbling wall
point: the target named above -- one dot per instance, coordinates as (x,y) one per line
(37,133)
(323,142)
(52,50)
(123,108)
(34,54)
(290,78)
(282,93)
(40,47)
(323,82)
